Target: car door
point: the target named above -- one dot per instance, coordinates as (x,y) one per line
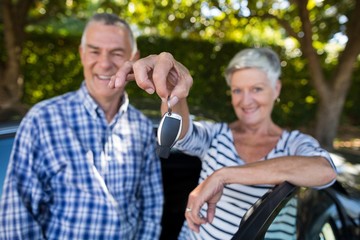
(264,212)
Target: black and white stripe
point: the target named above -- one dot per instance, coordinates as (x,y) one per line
(213,143)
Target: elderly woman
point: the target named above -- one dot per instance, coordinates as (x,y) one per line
(242,160)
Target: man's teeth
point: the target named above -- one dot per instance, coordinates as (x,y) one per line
(103,77)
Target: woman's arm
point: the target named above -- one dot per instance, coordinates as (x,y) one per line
(298,170)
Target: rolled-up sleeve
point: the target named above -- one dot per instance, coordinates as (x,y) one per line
(309,146)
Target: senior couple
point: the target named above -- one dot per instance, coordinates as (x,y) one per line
(84,164)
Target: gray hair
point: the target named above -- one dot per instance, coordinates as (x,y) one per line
(263,59)
(112,20)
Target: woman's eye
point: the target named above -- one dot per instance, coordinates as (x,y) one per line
(257,89)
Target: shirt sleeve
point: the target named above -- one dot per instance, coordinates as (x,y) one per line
(151,195)
(198,132)
(22,195)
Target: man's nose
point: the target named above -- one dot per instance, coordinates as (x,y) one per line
(105,60)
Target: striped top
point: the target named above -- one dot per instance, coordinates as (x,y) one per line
(216,151)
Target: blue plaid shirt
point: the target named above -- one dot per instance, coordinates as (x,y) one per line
(72,175)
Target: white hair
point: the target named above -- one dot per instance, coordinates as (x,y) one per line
(263,59)
(112,20)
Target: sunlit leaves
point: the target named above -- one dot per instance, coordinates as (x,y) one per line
(310,100)
(211,24)
(312,3)
(51,66)
(224,20)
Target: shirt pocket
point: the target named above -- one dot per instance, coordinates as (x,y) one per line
(126,170)
(76,177)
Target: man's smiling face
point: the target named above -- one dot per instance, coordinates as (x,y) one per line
(105,49)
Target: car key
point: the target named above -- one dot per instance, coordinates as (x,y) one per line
(168,132)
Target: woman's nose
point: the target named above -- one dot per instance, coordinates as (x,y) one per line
(246,98)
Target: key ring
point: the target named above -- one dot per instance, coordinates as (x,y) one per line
(169,107)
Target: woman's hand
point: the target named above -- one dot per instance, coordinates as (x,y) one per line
(209,192)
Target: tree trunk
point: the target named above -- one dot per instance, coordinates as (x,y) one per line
(333,91)
(333,97)
(327,120)
(11,82)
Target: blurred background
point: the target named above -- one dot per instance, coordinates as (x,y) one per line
(318,42)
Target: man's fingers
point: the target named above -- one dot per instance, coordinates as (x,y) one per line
(123,75)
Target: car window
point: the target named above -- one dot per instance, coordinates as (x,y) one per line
(5,146)
(328,215)
(284,224)
(302,213)
(275,207)
(7,134)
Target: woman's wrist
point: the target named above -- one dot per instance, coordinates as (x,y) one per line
(222,176)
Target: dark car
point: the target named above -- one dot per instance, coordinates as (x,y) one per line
(331,213)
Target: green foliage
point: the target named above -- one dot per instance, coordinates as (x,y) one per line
(208,93)
(51,66)
(204,35)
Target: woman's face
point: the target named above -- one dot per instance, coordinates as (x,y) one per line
(253,96)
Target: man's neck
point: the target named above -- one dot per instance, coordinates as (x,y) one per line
(111,108)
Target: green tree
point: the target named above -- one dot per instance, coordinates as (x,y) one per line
(314,28)
(303,28)
(20,18)
(16,16)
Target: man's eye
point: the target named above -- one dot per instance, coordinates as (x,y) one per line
(118,54)
(236,91)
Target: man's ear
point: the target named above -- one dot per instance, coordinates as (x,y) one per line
(135,56)
(277,88)
(81,52)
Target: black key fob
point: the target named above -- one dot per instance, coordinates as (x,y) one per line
(168,133)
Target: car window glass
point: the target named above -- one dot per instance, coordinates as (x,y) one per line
(284,224)
(310,214)
(318,216)
(5,146)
